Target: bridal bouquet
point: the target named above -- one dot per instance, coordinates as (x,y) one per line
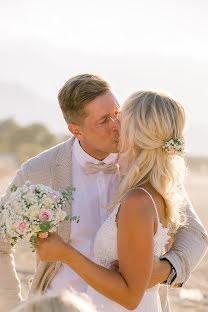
(32,211)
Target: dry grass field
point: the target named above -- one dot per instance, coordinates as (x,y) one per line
(193,297)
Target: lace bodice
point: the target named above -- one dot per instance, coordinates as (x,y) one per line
(105,250)
(105,247)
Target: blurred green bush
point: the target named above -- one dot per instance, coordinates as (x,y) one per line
(24,142)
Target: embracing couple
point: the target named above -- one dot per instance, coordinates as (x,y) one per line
(127,168)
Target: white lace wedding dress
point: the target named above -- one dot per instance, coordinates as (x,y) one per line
(105,250)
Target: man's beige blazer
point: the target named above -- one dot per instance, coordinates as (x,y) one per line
(53,168)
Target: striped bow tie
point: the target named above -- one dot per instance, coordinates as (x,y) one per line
(91,168)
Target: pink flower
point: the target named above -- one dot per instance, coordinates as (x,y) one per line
(55,195)
(45,215)
(14,203)
(171,148)
(43,235)
(21,227)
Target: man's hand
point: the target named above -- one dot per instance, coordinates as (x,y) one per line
(114,266)
(52,248)
(160,272)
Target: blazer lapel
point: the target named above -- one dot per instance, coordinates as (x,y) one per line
(61,179)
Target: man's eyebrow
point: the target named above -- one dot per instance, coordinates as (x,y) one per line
(117,110)
(104,116)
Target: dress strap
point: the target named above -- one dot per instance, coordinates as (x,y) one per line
(141,188)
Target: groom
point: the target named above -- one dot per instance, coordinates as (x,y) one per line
(88,162)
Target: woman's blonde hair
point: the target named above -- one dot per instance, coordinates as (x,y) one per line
(148,120)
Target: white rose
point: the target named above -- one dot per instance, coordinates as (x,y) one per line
(30,197)
(34,211)
(47,201)
(9,224)
(18,209)
(34,228)
(13,195)
(60,215)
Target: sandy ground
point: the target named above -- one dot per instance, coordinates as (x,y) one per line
(193,297)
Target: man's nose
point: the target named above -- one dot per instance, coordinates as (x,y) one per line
(115,121)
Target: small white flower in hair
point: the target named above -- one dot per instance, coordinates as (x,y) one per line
(175,147)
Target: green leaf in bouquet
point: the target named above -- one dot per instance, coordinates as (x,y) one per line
(33,241)
(45,226)
(75,218)
(68,193)
(2,208)
(14,241)
(13,188)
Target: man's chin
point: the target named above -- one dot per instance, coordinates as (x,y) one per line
(115,148)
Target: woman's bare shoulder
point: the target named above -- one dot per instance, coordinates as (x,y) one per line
(137,203)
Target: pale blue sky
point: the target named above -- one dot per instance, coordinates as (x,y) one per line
(133,44)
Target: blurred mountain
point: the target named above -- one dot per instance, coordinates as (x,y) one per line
(10,91)
(20,100)
(26,106)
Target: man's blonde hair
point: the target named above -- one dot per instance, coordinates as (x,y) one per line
(148,120)
(77,92)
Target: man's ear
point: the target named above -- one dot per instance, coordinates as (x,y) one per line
(75,130)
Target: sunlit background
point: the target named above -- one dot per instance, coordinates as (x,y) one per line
(134,44)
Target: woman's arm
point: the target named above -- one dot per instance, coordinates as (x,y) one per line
(135,252)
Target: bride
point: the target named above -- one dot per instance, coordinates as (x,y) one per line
(146,210)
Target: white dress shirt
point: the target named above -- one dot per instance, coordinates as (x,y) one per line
(93,191)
